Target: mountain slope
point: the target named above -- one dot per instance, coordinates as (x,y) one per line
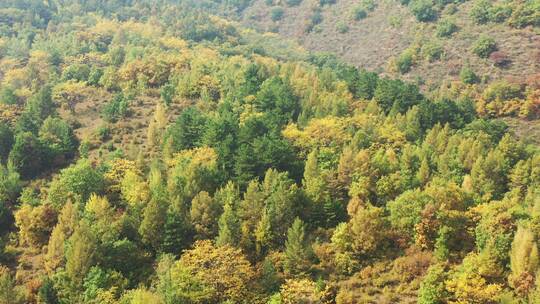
(390,29)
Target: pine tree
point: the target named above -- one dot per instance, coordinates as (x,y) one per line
(81,253)
(524,258)
(229,227)
(178,232)
(153,223)
(9,294)
(424,172)
(297,251)
(204,214)
(47,293)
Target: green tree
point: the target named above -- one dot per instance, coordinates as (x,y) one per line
(81,253)
(390,92)
(204,212)
(7,96)
(153,223)
(9,293)
(229,226)
(37,109)
(28,155)
(432,289)
(406,210)
(47,293)
(277,95)
(167,93)
(178,229)
(10,185)
(297,250)
(6,141)
(77,183)
(187,130)
(58,137)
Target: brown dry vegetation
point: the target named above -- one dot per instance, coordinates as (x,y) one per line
(391,28)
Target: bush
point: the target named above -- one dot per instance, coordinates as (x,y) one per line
(369,5)
(315,19)
(526,14)
(480,11)
(468,76)
(500,13)
(446,28)
(394,21)
(276,13)
(293,2)
(6,141)
(404,62)
(432,51)
(78,72)
(327,2)
(484,46)
(104,133)
(423,10)
(502,91)
(116,109)
(7,96)
(359,13)
(342,27)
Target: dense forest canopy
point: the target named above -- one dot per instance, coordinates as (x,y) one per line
(156,151)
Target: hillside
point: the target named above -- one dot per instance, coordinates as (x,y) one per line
(165,152)
(390,28)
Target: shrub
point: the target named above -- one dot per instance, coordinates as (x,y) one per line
(432,51)
(526,14)
(293,2)
(501,91)
(484,46)
(315,19)
(432,289)
(276,13)
(446,28)
(116,109)
(327,2)
(394,21)
(78,72)
(423,10)
(500,13)
(104,133)
(480,11)
(359,13)
(7,96)
(369,5)
(404,62)
(468,76)
(342,27)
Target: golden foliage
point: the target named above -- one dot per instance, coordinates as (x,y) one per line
(300,291)
(224,269)
(117,171)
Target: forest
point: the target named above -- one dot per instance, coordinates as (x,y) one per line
(159,151)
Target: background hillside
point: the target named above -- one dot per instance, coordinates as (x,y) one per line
(390,29)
